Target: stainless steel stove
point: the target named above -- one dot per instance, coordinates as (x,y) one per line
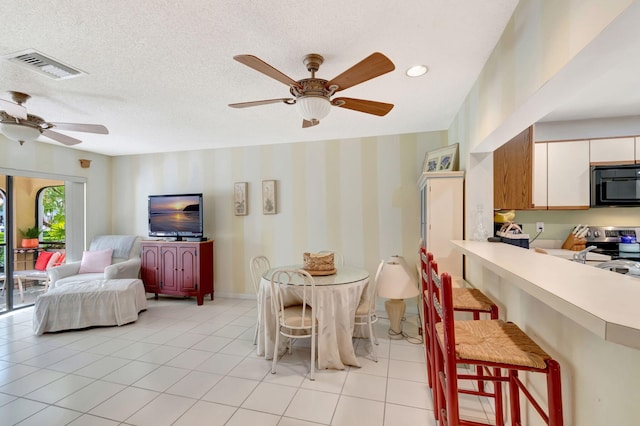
(608,238)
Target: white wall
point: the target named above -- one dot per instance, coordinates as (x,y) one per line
(356,196)
(587,129)
(43,158)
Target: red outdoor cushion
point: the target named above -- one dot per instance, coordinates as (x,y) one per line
(43,259)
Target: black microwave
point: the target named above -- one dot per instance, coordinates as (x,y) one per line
(615,185)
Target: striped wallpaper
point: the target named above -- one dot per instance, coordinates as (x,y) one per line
(355,196)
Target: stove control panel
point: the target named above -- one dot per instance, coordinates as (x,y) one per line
(611,234)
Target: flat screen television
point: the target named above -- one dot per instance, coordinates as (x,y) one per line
(175,215)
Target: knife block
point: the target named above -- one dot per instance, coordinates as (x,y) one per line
(574,243)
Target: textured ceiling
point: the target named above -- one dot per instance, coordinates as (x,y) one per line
(160,74)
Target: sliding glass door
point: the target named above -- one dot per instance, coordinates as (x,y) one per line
(3,250)
(40,204)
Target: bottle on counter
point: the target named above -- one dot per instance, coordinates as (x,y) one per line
(479,230)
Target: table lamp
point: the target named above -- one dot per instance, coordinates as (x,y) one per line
(396,284)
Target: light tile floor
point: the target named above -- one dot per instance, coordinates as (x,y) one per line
(183,364)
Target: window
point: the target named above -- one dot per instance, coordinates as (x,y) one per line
(51,214)
(2,226)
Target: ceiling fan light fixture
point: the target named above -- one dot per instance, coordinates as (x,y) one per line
(417,70)
(19,132)
(313,107)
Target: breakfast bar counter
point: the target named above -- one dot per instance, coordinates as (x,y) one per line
(585,317)
(603,302)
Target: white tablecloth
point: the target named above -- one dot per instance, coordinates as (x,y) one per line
(337,298)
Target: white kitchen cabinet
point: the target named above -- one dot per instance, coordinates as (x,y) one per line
(568,175)
(612,151)
(540,181)
(442,217)
(637,156)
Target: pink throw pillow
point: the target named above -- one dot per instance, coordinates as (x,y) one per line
(43,260)
(95,261)
(54,260)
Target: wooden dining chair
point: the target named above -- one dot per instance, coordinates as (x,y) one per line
(491,344)
(366,311)
(298,321)
(258,266)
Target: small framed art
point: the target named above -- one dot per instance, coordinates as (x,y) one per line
(240,199)
(269,197)
(441,160)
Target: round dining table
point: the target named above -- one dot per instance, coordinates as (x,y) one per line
(337,298)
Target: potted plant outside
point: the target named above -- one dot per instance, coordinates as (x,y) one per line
(30,237)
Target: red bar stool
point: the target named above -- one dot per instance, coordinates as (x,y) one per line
(492,344)
(464,300)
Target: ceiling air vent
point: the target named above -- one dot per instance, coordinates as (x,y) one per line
(42,64)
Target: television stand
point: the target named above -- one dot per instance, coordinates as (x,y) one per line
(190,239)
(179,268)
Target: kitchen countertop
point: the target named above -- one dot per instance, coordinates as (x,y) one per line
(568,254)
(603,302)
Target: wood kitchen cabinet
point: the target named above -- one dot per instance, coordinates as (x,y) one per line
(542,175)
(178,268)
(442,217)
(513,173)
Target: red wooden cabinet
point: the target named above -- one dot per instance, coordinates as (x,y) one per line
(178,268)
(149,271)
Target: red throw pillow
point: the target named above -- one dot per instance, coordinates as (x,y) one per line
(43,259)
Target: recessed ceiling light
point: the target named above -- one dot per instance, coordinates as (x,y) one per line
(417,70)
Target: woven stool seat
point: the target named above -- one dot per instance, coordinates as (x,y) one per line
(471,299)
(495,341)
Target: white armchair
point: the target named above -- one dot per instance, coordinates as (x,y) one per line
(125,262)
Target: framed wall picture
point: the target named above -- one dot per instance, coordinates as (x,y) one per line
(269,197)
(240,206)
(441,160)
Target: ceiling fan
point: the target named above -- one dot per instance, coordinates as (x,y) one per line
(312,96)
(19,126)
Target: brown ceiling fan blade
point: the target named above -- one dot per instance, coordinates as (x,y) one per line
(370,107)
(370,67)
(261,66)
(13,109)
(289,101)
(310,123)
(88,128)
(59,137)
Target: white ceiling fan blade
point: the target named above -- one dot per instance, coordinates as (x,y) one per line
(64,139)
(13,109)
(88,128)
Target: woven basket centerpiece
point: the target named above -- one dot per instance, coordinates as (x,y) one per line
(319,263)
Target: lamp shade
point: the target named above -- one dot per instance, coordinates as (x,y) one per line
(19,132)
(395,282)
(313,107)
